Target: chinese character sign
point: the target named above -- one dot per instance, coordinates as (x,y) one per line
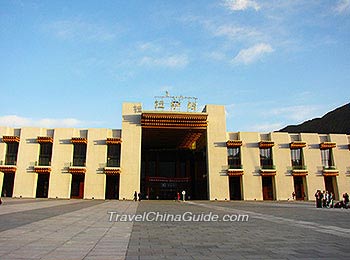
(175,103)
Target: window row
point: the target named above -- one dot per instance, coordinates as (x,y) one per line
(266,158)
(79,154)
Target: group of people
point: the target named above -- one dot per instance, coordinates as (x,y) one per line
(325,199)
(137,195)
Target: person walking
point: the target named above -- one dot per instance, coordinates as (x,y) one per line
(331,200)
(140,195)
(324,199)
(318,196)
(327,199)
(135,196)
(346,200)
(293,195)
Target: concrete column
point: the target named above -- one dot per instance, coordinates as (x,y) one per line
(217,153)
(28,154)
(281,154)
(62,155)
(312,157)
(341,157)
(3,131)
(96,158)
(130,151)
(250,157)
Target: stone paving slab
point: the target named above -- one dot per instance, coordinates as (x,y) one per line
(11,201)
(264,236)
(86,233)
(82,230)
(19,205)
(292,210)
(50,209)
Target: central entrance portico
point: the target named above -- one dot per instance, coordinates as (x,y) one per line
(165,152)
(173,155)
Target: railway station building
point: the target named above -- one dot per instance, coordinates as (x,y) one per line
(160,153)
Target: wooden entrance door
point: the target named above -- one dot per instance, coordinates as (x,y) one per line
(267,183)
(235,188)
(7,184)
(81,189)
(112,187)
(77,188)
(331,185)
(299,188)
(42,188)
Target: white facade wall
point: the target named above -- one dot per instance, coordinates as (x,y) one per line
(218,181)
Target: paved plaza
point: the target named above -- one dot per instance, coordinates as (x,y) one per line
(93,229)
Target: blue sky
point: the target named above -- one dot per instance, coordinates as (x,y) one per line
(271,63)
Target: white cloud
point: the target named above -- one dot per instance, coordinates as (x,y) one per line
(267,127)
(240,5)
(161,53)
(343,6)
(13,121)
(65,122)
(236,32)
(296,113)
(79,29)
(229,110)
(231,30)
(172,61)
(252,54)
(287,116)
(121,75)
(149,46)
(268,118)
(216,55)
(18,121)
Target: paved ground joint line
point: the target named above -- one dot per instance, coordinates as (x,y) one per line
(40,238)
(9,206)
(104,234)
(72,229)
(66,241)
(333,230)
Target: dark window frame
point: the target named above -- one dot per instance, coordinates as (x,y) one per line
(234,157)
(45,154)
(79,155)
(327,158)
(11,153)
(266,159)
(113,155)
(297,157)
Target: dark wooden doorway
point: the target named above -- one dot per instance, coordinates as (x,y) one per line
(77,188)
(299,187)
(268,187)
(165,172)
(112,187)
(235,187)
(7,185)
(331,185)
(42,188)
